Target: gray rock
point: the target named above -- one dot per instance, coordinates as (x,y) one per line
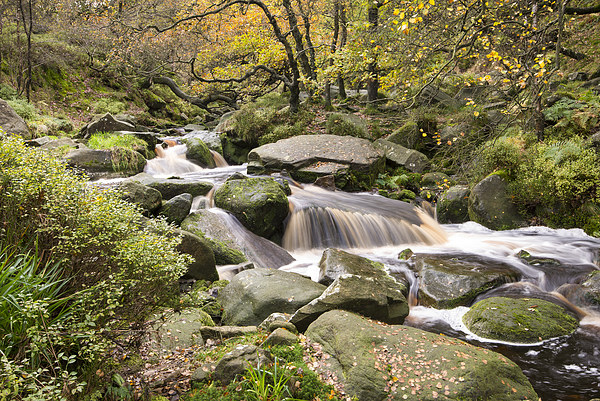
(491,206)
(304,157)
(398,155)
(280,336)
(180,329)
(433,95)
(11,122)
(149,199)
(194,127)
(375,361)
(375,297)
(173,186)
(275,320)
(453,206)
(254,294)
(106,123)
(177,208)
(62,142)
(260,204)
(591,288)
(236,362)
(335,263)
(448,282)
(222,332)
(203,267)
(106,161)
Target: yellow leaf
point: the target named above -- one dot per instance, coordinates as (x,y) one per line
(396,11)
(432,2)
(476,114)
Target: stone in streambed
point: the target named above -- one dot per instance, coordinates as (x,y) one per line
(173,186)
(176,209)
(525,320)
(376,361)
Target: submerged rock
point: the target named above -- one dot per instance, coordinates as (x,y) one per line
(525,320)
(260,204)
(354,162)
(376,361)
(254,294)
(447,282)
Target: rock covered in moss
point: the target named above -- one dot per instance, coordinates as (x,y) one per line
(181,329)
(490,205)
(254,294)
(376,361)
(336,262)
(198,152)
(591,288)
(203,267)
(260,204)
(173,186)
(145,197)
(453,206)
(525,320)
(398,155)
(447,282)
(177,208)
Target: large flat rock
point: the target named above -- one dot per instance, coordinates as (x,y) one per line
(319,155)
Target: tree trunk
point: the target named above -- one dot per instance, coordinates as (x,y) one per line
(343,40)
(373,80)
(333,47)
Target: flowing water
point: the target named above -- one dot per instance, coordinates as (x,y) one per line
(560,369)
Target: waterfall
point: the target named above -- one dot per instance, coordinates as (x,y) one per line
(219,160)
(322,219)
(170,161)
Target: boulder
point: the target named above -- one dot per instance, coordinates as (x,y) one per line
(398,155)
(354,162)
(232,243)
(203,267)
(260,204)
(591,288)
(254,294)
(11,122)
(433,95)
(173,186)
(94,161)
(447,282)
(453,206)
(434,179)
(177,208)
(490,205)
(335,263)
(222,332)
(210,138)
(525,320)
(376,361)
(106,123)
(347,124)
(181,329)
(280,336)
(375,297)
(149,199)
(236,362)
(198,152)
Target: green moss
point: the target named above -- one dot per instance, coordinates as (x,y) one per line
(346,124)
(522,320)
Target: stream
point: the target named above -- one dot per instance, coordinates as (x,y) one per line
(561,369)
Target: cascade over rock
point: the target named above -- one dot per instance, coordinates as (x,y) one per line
(11,122)
(350,160)
(255,294)
(376,361)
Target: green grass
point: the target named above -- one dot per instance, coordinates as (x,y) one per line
(107,140)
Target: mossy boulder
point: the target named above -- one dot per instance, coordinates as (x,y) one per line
(173,186)
(591,288)
(524,320)
(181,329)
(254,294)
(398,155)
(260,204)
(453,205)
(149,199)
(198,152)
(347,124)
(490,205)
(448,282)
(376,361)
(335,263)
(97,162)
(177,208)
(203,267)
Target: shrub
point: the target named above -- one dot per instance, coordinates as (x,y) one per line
(23,108)
(108,105)
(346,124)
(119,267)
(503,153)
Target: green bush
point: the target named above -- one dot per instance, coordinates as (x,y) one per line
(23,108)
(256,119)
(119,267)
(560,183)
(504,153)
(108,105)
(7,92)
